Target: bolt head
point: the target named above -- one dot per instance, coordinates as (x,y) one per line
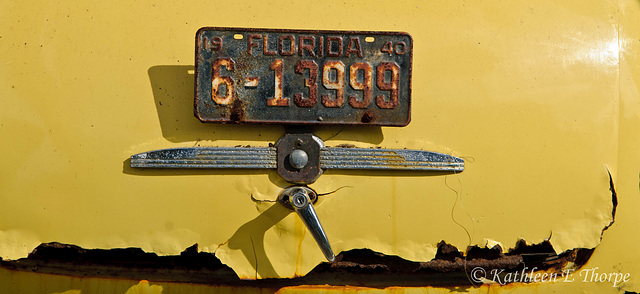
(298,159)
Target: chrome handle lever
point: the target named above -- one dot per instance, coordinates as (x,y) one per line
(301,199)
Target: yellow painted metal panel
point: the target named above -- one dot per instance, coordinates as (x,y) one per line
(541,100)
(618,251)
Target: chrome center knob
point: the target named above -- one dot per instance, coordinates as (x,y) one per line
(298,159)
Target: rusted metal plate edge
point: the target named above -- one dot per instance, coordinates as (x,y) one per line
(236,113)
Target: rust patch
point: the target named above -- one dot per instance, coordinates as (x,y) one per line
(337,84)
(305,142)
(345,146)
(447,252)
(309,82)
(130,263)
(614,201)
(364,86)
(368,117)
(391,86)
(237,111)
(358,267)
(222,97)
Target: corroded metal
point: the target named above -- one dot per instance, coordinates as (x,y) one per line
(303,77)
(207,157)
(330,158)
(307,143)
(450,267)
(388,159)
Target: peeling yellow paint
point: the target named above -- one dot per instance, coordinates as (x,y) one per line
(618,252)
(144,288)
(69,292)
(488,243)
(16,243)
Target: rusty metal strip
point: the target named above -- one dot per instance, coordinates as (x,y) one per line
(207,157)
(387,159)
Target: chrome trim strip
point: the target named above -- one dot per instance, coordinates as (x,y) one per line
(388,159)
(207,157)
(265,157)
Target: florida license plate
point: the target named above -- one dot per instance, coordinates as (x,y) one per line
(303,77)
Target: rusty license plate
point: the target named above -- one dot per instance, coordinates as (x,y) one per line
(303,77)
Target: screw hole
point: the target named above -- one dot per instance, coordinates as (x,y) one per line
(238,36)
(369,39)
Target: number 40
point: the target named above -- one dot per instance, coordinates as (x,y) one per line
(397,48)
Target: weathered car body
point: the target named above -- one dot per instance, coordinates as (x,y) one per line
(540,99)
